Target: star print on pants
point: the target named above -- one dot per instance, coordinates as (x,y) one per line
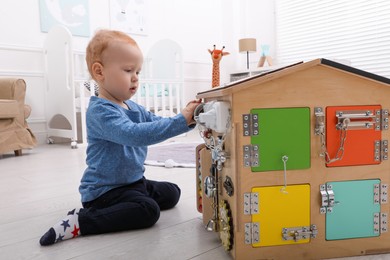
(65,224)
(75,231)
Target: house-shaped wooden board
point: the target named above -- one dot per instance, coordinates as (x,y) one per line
(304,173)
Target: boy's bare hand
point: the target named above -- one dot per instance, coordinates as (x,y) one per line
(188,111)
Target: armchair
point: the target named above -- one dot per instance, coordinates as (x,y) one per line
(14,132)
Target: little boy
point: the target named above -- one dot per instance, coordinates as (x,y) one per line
(114,192)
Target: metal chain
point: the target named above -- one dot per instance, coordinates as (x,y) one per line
(340,151)
(215,198)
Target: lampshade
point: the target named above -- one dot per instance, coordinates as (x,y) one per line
(247,45)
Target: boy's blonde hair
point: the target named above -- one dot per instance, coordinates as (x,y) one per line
(99,44)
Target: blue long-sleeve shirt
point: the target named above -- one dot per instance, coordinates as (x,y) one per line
(117,144)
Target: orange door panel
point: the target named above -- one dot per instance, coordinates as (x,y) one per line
(359,128)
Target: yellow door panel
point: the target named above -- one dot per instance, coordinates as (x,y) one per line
(281,208)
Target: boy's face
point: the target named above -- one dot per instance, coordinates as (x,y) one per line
(122,63)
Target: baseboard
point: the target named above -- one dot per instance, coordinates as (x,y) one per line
(38,127)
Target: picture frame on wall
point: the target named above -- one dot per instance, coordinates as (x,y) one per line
(73,14)
(129,16)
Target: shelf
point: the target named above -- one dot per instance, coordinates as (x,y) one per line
(249,73)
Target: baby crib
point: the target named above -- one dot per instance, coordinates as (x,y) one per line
(161,87)
(65,95)
(162,97)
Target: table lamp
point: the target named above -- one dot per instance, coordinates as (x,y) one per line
(247,45)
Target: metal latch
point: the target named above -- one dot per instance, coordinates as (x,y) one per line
(250,124)
(210,186)
(319,130)
(252,233)
(380,193)
(298,233)
(251,203)
(380,223)
(363,119)
(327,198)
(381,150)
(320,121)
(251,155)
(358,119)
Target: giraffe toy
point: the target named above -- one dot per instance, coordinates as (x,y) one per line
(216,56)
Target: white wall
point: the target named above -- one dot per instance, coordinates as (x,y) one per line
(254,19)
(195,24)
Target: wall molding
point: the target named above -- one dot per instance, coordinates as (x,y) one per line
(36,120)
(38,127)
(20,73)
(207,80)
(9,47)
(41,136)
(197,62)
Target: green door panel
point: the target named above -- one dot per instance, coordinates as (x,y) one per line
(282,131)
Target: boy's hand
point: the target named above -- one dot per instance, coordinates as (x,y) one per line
(188,111)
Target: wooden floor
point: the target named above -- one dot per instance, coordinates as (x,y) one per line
(38,188)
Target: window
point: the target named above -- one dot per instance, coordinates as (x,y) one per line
(356,32)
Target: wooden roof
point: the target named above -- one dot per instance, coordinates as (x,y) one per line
(274,74)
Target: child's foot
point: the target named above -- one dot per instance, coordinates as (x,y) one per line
(65,229)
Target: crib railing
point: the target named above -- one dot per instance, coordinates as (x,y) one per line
(162,97)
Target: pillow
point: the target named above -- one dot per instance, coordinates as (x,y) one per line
(160,90)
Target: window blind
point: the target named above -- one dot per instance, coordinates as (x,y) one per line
(355,31)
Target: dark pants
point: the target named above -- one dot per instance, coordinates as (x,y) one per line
(133,206)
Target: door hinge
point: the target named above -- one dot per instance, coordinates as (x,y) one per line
(251,155)
(251,203)
(252,233)
(380,193)
(298,233)
(380,223)
(327,198)
(384,119)
(381,150)
(250,124)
